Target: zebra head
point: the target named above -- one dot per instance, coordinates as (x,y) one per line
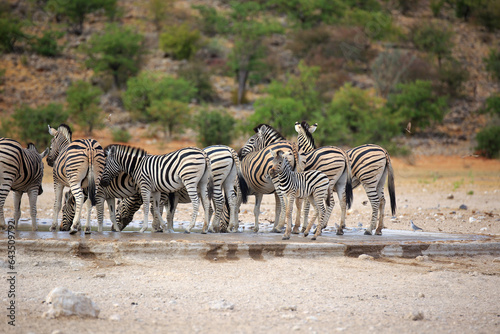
(60,140)
(264,135)
(277,164)
(120,158)
(305,138)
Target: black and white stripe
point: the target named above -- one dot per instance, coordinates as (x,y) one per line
(76,164)
(313,185)
(371,165)
(256,158)
(332,161)
(21,170)
(156,174)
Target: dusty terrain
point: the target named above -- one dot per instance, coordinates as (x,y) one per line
(318,295)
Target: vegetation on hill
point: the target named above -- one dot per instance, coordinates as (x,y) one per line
(362,69)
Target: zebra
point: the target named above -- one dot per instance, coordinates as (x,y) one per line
(76,164)
(122,186)
(312,184)
(255,162)
(331,160)
(370,166)
(225,170)
(156,174)
(21,170)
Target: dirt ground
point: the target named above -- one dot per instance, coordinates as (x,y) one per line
(282,295)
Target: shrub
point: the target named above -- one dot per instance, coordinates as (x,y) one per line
(493,105)
(180,41)
(10,34)
(375,25)
(83,106)
(436,6)
(209,21)
(169,115)
(389,69)
(452,75)
(214,127)
(417,103)
(493,64)
(432,37)
(143,90)
(158,11)
(47,44)
(307,14)
(488,141)
(121,135)
(31,123)
(198,75)
(117,52)
(77,10)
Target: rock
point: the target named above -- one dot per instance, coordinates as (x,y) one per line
(450,196)
(100,275)
(463,207)
(63,302)
(497,259)
(365,257)
(114,317)
(221,305)
(472,219)
(415,316)
(289,308)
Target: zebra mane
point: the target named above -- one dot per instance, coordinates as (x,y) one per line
(65,130)
(131,151)
(269,128)
(31,146)
(309,135)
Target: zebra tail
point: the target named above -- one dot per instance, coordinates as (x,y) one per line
(239,193)
(92,187)
(390,183)
(245,191)
(348,186)
(330,190)
(208,173)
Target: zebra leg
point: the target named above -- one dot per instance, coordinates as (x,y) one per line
(58,190)
(296,227)
(157,214)
(289,210)
(310,224)
(280,212)
(375,203)
(32,196)
(381,209)
(195,201)
(218,199)
(5,184)
(79,200)
(146,199)
(256,211)
(307,206)
(17,207)
(112,213)
(88,227)
(320,208)
(171,207)
(99,205)
(233,210)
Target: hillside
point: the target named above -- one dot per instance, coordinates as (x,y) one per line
(36,80)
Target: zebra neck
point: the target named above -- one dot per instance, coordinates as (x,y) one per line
(306,145)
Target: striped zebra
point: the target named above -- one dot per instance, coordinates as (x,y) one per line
(225,169)
(371,165)
(78,165)
(332,161)
(122,186)
(156,174)
(255,157)
(21,170)
(313,185)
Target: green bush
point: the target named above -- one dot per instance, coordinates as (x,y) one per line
(310,13)
(493,64)
(10,33)
(488,141)
(209,21)
(432,37)
(158,11)
(77,10)
(436,6)
(199,76)
(83,106)
(146,88)
(31,123)
(214,127)
(121,135)
(453,76)
(415,102)
(180,41)
(375,25)
(354,118)
(117,52)
(493,105)
(47,44)
(280,112)
(169,115)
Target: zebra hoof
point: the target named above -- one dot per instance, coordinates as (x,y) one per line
(187,232)
(340,232)
(275,230)
(313,238)
(378,232)
(87,231)
(285,237)
(368,232)
(72,231)
(306,234)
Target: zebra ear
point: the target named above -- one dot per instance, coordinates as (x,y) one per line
(313,127)
(273,153)
(52,131)
(297,127)
(44,153)
(280,153)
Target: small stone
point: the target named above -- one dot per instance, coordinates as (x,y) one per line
(365,257)
(422,258)
(472,219)
(221,305)
(450,196)
(289,308)
(497,259)
(114,317)
(415,316)
(463,207)
(57,331)
(63,302)
(99,275)
(421,295)
(296,328)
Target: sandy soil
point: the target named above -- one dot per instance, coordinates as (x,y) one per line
(282,295)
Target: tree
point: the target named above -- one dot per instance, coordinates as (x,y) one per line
(83,106)
(77,10)
(493,64)
(169,115)
(214,127)
(117,52)
(310,13)
(31,123)
(389,69)
(280,112)
(432,37)
(10,33)
(415,102)
(181,41)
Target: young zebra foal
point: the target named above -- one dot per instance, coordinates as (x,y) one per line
(312,185)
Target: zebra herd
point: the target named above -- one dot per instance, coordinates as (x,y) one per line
(218,175)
